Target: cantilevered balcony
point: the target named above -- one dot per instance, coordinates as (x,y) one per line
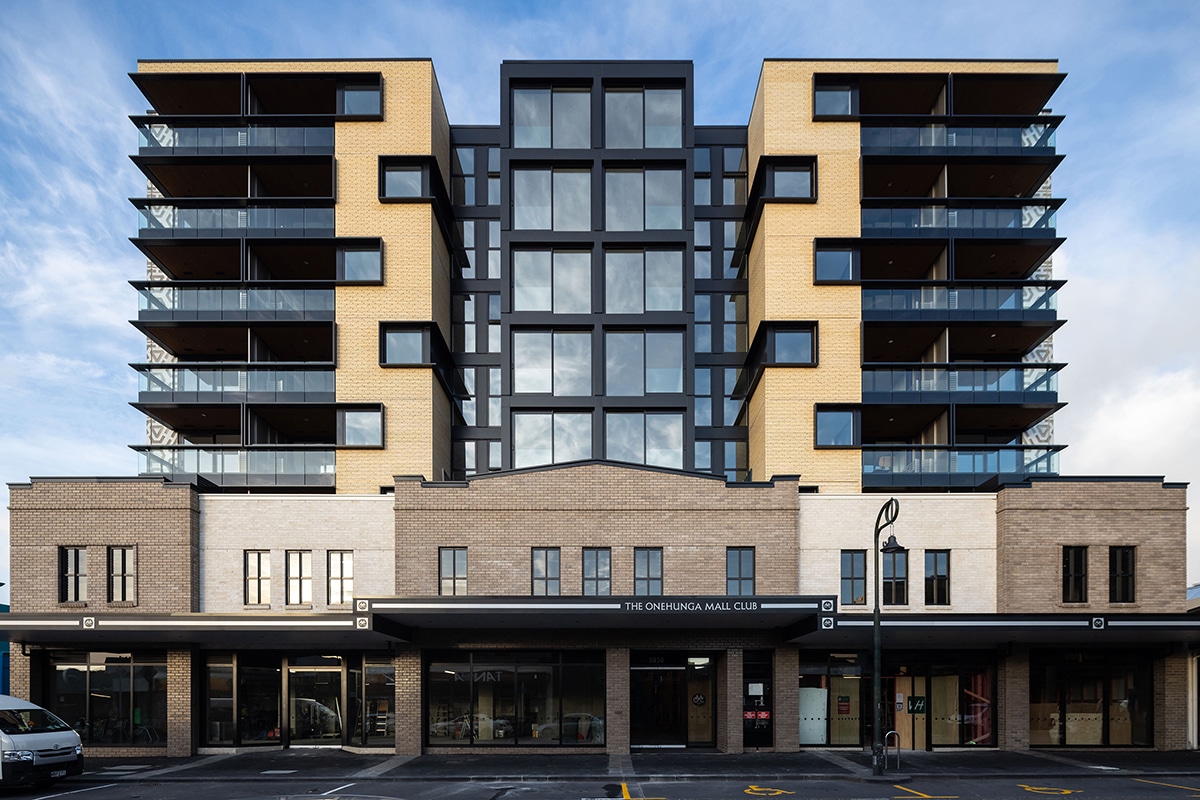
(213,260)
(886,466)
(982,217)
(1026,300)
(163,301)
(171,218)
(190,383)
(953,136)
(242,341)
(159,137)
(233,466)
(945,383)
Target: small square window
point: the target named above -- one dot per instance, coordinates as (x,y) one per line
(362,265)
(833,101)
(360,100)
(794,347)
(404,347)
(360,428)
(834,265)
(793,182)
(402,182)
(837,428)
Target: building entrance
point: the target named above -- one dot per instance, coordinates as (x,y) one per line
(315,706)
(671,699)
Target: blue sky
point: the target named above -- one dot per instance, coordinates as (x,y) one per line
(1132,140)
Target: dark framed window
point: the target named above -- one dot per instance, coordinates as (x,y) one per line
(404,346)
(360,100)
(854,577)
(643,199)
(792,183)
(360,264)
(122,575)
(298,566)
(557,363)
(835,99)
(452,571)
(72,574)
(559,118)
(638,363)
(1121,574)
(551,437)
(1074,574)
(647,571)
(597,572)
(552,199)
(639,281)
(739,571)
(340,577)
(360,427)
(544,572)
(403,181)
(558,281)
(636,118)
(895,578)
(837,427)
(257,576)
(655,439)
(835,264)
(462,176)
(937,577)
(794,346)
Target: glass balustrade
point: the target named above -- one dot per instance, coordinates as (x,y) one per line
(164,383)
(962,298)
(173,298)
(1032,379)
(284,221)
(996,138)
(241,466)
(169,138)
(1031,217)
(947,461)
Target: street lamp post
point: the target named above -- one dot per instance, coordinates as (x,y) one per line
(887,516)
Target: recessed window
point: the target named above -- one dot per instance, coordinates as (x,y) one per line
(1074,574)
(835,264)
(1121,574)
(639,363)
(404,347)
(837,428)
(360,427)
(299,577)
(597,572)
(72,574)
(739,571)
(794,347)
(545,199)
(364,264)
(257,575)
(637,200)
(854,577)
(637,282)
(895,578)
(340,574)
(937,577)
(402,181)
(122,575)
(360,100)
(544,437)
(793,182)
(557,363)
(544,572)
(833,100)
(559,281)
(558,118)
(647,571)
(636,118)
(655,439)
(452,571)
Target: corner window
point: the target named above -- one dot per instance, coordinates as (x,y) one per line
(122,575)
(340,573)
(895,578)
(452,571)
(654,439)
(937,577)
(299,577)
(854,578)
(833,100)
(597,572)
(360,427)
(546,437)
(643,200)
(637,118)
(1074,574)
(403,182)
(1121,575)
(257,575)
(560,118)
(639,363)
(404,347)
(835,264)
(837,428)
(637,282)
(739,571)
(72,574)
(558,281)
(647,571)
(360,264)
(558,363)
(558,199)
(544,572)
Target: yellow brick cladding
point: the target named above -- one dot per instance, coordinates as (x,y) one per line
(411,400)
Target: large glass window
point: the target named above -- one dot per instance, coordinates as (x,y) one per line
(854,577)
(558,199)
(72,574)
(112,698)
(360,427)
(122,575)
(558,363)
(739,571)
(543,437)
(647,571)
(895,578)
(452,571)
(597,571)
(637,200)
(552,118)
(937,577)
(299,577)
(837,428)
(636,118)
(1074,574)
(655,439)
(637,281)
(1121,574)
(559,281)
(639,363)
(257,574)
(341,576)
(544,571)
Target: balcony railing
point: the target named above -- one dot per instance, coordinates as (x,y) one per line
(159,219)
(890,384)
(977,140)
(949,466)
(161,138)
(1018,220)
(236,466)
(1023,297)
(173,301)
(171,384)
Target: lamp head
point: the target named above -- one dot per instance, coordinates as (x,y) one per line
(891,545)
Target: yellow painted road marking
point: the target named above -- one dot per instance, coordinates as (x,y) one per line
(1172,785)
(764,791)
(915,793)
(1046,789)
(625,794)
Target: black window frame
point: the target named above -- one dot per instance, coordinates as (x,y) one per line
(894,578)
(736,577)
(937,577)
(72,574)
(258,580)
(1122,574)
(341,426)
(652,579)
(456,581)
(838,247)
(341,579)
(855,580)
(122,574)
(303,579)
(856,426)
(600,587)
(549,584)
(1074,574)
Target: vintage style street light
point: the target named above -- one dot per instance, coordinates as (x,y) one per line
(887,516)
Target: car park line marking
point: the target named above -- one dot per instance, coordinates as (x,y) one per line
(338,789)
(277,772)
(75,791)
(764,791)
(1046,789)
(625,794)
(915,793)
(1172,785)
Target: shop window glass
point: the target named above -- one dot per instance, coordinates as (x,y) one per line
(218,719)
(112,698)
(379,696)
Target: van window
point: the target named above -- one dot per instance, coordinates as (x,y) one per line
(30,720)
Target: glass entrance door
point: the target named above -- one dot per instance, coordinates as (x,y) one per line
(658,716)
(315,706)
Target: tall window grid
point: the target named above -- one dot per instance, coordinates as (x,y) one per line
(1121,574)
(452,571)
(895,579)
(1074,574)
(341,576)
(299,577)
(258,577)
(739,571)
(937,577)
(72,572)
(597,571)
(647,571)
(544,571)
(854,577)
(122,575)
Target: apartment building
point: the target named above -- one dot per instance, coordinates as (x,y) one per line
(570,432)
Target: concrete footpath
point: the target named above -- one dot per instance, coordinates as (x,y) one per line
(333,764)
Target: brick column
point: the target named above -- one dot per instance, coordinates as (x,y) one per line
(18,672)
(179,704)
(729,702)
(1012,697)
(616,701)
(1171,702)
(786,699)
(409,724)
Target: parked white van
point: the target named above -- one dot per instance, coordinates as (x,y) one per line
(35,746)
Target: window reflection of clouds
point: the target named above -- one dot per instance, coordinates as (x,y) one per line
(572,364)
(624,362)
(623,290)
(572,200)
(623,200)
(572,283)
(531,280)
(572,437)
